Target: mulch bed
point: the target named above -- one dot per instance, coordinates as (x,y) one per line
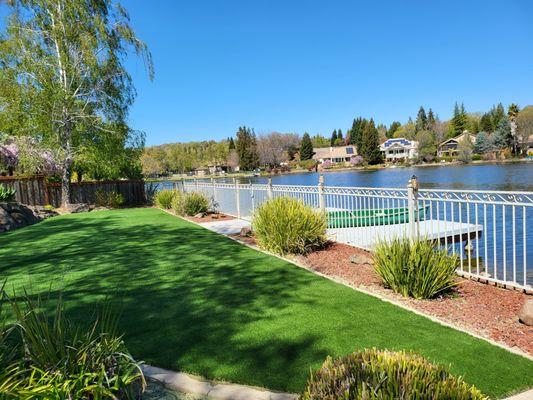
(210,217)
(486,310)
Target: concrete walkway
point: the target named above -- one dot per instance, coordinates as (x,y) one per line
(186,383)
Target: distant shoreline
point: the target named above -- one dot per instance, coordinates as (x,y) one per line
(343,169)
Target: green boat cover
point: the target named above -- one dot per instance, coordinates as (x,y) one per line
(371,217)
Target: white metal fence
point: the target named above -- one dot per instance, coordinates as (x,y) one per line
(488,230)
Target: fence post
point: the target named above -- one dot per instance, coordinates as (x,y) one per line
(237,198)
(195,184)
(252,195)
(214,187)
(321,199)
(412,204)
(269,189)
(183,185)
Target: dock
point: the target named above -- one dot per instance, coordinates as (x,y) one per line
(367,237)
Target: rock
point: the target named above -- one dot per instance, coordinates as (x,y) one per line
(16,215)
(199,215)
(525,315)
(78,208)
(246,231)
(43,212)
(361,259)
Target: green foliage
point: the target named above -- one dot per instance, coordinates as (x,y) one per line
(427,145)
(246,147)
(51,359)
(393,128)
(7,194)
(421,123)
(459,121)
(465,149)
(319,141)
(381,374)
(369,149)
(333,138)
(163,199)
(502,138)
(483,143)
(110,199)
(286,225)
(195,203)
(415,268)
(306,148)
(356,133)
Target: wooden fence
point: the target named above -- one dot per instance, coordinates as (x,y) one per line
(35,190)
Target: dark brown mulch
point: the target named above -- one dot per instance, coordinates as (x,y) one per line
(210,217)
(487,310)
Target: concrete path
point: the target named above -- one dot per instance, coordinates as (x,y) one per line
(186,383)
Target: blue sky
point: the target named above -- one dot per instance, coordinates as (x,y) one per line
(296,66)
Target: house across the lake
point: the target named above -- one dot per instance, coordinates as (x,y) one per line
(337,154)
(449,148)
(399,149)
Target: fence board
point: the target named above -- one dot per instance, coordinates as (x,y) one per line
(34,190)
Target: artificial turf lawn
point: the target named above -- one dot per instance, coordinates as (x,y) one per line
(196,301)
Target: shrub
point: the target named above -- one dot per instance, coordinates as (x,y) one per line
(178,204)
(62,361)
(286,225)
(163,198)
(415,268)
(195,203)
(7,194)
(375,374)
(110,199)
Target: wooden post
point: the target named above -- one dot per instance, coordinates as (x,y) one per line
(45,191)
(321,198)
(412,205)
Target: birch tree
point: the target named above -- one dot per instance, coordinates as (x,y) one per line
(62,73)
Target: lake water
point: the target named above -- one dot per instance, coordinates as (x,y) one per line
(499,177)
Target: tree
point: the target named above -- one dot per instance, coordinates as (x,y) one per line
(231,144)
(485,123)
(306,148)
(524,127)
(483,143)
(274,148)
(246,147)
(370,144)
(339,135)
(431,121)
(64,61)
(421,120)
(393,128)
(459,121)
(320,141)
(512,113)
(356,133)
(465,150)
(333,138)
(502,137)
(427,145)
(407,131)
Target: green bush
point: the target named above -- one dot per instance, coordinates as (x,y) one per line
(374,374)
(163,198)
(7,194)
(56,360)
(111,199)
(195,203)
(178,204)
(415,268)
(286,225)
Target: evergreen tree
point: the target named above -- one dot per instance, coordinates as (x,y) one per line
(421,120)
(356,133)
(393,128)
(498,113)
(431,122)
(306,148)
(231,145)
(339,135)
(485,123)
(246,147)
(502,137)
(483,143)
(333,138)
(459,121)
(370,144)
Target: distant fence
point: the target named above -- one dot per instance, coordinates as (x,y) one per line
(35,190)
(487,230)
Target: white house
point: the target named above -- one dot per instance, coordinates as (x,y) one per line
(337,154)
(398,149)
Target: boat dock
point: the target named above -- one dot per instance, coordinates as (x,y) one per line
(366,237)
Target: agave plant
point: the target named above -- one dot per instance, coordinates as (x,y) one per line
(7,194)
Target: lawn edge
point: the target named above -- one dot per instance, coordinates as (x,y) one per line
(362,290)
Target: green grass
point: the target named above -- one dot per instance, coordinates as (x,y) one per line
(195,301)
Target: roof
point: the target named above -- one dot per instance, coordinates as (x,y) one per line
(460,138)
(398,142)
(334,152)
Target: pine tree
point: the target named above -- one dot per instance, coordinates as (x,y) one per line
(231,145)
(421,120)
(370,144)
(502,137)
(431,122)
(485,123)
(459,121)
(306,148)
(356,133)
(339,134)
(246,147)
(393,128)
(333,138)
(483,143)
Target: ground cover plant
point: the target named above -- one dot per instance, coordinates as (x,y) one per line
(7,194)
(163,198)
(416,269)
(111,199)
(286,225)
(194,301)
(381,374)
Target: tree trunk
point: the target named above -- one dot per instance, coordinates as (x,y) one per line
(66,173)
